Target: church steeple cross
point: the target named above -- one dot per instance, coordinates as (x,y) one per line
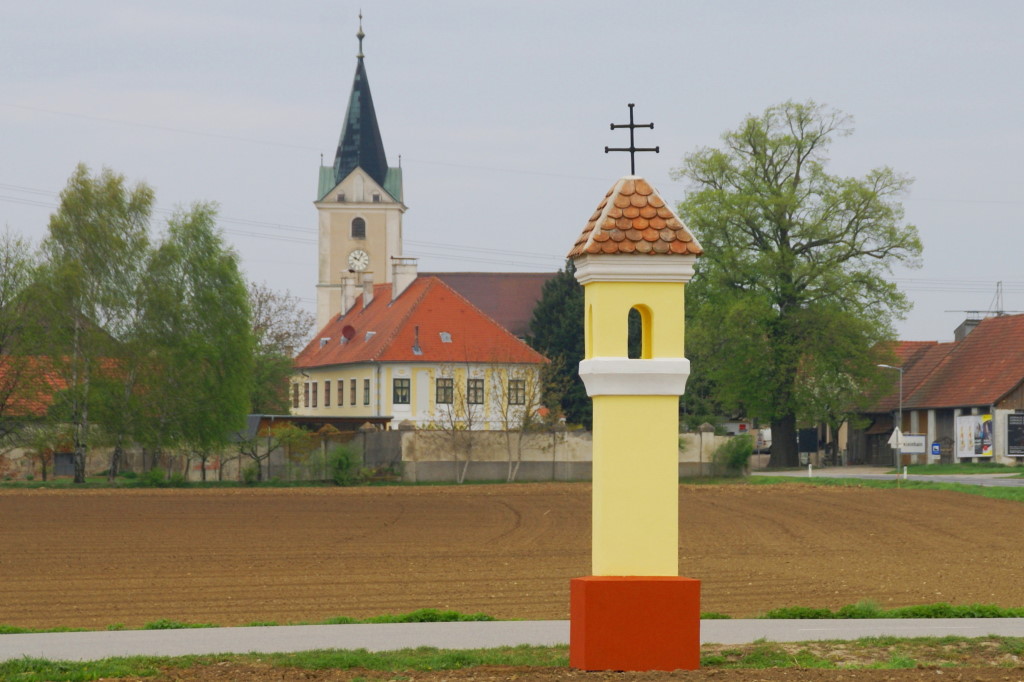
(360,35)
(632,148)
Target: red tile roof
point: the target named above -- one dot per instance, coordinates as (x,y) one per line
(27,385)
(507,297)
(633,218)
(423,316)
(979,370)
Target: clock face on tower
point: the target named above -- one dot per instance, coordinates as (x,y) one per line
(358,260)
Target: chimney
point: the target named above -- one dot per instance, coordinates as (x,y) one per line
(348,292)
(367,289)
(403,273)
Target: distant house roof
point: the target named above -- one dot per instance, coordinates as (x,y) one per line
(633,218)
(428,322)
(27,385)
(980,369)
(507,297)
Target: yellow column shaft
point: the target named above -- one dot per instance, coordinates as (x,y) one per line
(636,489)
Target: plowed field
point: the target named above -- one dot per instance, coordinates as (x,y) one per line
(91,558)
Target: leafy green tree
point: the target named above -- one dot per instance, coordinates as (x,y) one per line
(556,330)
(199,334)
(17,264)
(280,328)
(92,255)
(791,298)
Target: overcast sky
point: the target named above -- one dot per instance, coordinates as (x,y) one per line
(500,113)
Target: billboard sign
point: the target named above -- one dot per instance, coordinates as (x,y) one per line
(1015,434)
(974,435)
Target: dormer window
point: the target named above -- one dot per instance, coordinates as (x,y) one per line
(446,337)
(358,228)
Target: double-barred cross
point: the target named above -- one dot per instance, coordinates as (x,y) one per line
(632,148)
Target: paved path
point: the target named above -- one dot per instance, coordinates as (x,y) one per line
(1007,480)
(83,646)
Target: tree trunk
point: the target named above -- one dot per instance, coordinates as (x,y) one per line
(79,458)
(784,453)
(115,462)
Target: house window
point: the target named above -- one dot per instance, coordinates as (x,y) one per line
(445,391)
(352,392)
(376,197)
(475,392)
(401,392)
(517,392)
(366,391)
(358,228)
(445,337)
(327,393)
(314,393)
(341,197)
(295,395)
(305,395)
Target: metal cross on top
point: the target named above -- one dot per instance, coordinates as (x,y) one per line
(632,148)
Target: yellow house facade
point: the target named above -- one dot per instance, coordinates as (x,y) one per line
(422,355)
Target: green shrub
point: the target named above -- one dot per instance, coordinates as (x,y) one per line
(154,478)
(730,458)
(251,474)
(178,480)
(344,465)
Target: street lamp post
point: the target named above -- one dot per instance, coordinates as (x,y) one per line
(899,418)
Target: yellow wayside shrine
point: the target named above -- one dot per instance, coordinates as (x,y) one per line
(634,612)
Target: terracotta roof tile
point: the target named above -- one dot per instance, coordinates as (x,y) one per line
(979,370)
(425,309)
(633,218)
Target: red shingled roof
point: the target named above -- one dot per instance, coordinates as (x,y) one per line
(980,369)
(27,385)
(428,311)
(507,297)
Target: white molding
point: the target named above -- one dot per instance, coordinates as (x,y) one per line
(634,267)
(624,376)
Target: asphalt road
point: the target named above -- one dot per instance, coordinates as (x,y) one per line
(84,646)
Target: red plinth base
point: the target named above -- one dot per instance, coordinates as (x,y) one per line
(634,623)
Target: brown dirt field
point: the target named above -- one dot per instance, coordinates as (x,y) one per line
(91,558)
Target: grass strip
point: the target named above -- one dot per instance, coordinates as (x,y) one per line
(1014,494)
(868,609)
(417,616)
(885,653)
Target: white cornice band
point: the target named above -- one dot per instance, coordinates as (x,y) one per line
(634,267)
(624,376)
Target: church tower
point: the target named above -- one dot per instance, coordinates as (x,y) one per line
(359,202)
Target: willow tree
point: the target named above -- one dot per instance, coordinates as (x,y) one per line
(792,295)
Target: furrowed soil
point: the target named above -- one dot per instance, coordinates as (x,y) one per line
(92,558)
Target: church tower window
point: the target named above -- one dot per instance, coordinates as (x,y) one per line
(358,228)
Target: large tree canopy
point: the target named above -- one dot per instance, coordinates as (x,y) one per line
(792,295)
